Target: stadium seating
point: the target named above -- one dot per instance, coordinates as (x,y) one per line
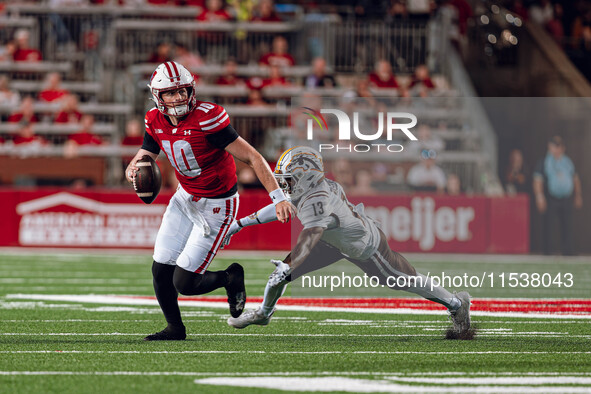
(103,51)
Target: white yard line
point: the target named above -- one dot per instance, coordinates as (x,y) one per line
(496,334)
(346,384)
(125,300)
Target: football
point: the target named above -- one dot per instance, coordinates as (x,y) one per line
(148,179)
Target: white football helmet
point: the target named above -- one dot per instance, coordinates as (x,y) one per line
(298,170)
(171,76)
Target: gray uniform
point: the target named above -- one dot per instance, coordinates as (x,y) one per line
(347,228)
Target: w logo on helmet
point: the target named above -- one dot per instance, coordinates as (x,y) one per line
(216,210)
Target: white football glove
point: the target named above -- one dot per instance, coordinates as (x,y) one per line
(279,276)
(234,228)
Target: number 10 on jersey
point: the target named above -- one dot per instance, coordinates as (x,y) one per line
(181,156)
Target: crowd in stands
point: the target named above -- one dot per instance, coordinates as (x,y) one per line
(23,113)
(367,88)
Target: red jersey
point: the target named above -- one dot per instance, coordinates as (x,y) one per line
(379,83)
(19,116)
(52,95)
(27,55)
(214,16)
(68,117)
(273,59)
(18,140)
(427,82)
(202,169)
(85,138)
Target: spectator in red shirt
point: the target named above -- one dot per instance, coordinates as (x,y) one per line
(23,52)
(265,12)
(275,78)
(85,136)
(255,98)
(421,79)
(214,12)
(27,136)
(191,3)
(69,112)
(230,76)
(162,54)
(278,55)
(383,77)
(134,135)
(25,113)
(53,90)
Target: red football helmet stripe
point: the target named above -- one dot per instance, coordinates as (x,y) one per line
(169,70)
(176,70)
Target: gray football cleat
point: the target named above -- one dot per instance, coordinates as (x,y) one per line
(254,316)
(461,316)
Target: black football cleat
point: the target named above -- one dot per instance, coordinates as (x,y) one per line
(235,289)
(168,334)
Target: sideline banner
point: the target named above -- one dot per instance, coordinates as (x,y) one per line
(118,219)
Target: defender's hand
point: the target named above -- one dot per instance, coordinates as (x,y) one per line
(284,210)
(279,276)
(234,228)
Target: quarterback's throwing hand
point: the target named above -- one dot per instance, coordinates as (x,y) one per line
(284,210)
(131,170)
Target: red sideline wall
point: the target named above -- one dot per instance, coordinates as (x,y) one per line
(118,219)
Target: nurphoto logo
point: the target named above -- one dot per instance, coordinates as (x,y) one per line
(394,123)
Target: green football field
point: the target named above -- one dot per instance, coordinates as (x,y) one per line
(58,335)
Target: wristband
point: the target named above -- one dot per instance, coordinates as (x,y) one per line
(277,196)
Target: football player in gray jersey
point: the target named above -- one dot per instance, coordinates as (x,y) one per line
(335,229)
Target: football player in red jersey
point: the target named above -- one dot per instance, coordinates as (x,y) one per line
(199,142)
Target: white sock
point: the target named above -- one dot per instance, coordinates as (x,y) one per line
(438,294)
(272,295)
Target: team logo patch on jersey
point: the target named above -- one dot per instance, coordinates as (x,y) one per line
(216,210)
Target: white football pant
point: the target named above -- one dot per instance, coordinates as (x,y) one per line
(192,231)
